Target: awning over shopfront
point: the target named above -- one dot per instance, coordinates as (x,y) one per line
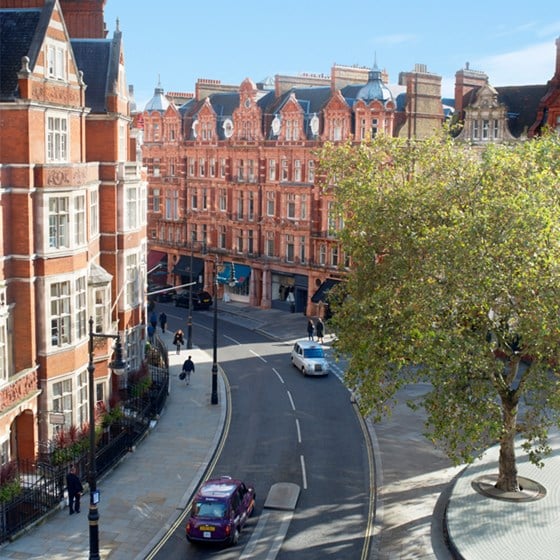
(156,258)
(323,290)
(183,267)
(241,273)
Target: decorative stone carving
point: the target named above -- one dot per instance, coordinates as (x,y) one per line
(17,391)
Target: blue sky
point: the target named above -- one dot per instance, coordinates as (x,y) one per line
(179,41)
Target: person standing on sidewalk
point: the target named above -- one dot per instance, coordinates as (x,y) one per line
(162,321)
(320,329)
(188,368)
(310,329)
(75,489)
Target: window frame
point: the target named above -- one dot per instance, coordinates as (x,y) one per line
(56,57)
(57,137)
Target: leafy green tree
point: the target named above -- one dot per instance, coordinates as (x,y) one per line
(455,280)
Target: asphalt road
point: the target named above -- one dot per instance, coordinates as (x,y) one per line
(288,428)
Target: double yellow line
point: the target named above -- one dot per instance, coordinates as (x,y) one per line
(183,516)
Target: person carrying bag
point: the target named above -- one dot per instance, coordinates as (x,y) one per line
(188,368)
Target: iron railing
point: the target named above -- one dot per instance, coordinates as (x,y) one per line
(42,484)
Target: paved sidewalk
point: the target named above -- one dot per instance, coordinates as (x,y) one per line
(482,527)
(146,493)
(415,483)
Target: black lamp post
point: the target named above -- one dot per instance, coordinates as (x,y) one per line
(189,319)
(118,366)
(214,398)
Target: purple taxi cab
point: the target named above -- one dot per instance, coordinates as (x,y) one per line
(220,509)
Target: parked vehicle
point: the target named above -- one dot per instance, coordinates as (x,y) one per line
(163,293)
(220,509)
(309,357)
(201,300)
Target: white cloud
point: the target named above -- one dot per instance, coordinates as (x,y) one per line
(532,65)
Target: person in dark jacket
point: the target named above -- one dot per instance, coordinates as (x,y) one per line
(188,368)
(153,320)
(75,489)
(162,321)
(320,330)
(310,329)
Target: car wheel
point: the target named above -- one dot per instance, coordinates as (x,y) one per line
(235,536)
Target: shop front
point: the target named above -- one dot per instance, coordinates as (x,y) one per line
(289,291)
(235,279)
(157,267)
(184,274)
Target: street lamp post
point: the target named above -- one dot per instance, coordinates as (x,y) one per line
(214,397)
(117,365)
(189,319)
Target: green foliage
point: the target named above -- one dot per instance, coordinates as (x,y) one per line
(10,490)
(70,444)
(141,387)
(455,278)
(10,485)
(112,416)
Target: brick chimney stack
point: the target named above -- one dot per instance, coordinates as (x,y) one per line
(84,18)
(465,81)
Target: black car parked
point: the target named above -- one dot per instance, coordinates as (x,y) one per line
(201,300)
(162,296)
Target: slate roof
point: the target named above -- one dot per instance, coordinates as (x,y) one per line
(522,103)
(375,89)
(93,58)
(311,99)
(17,31)
(158,102)
(398,92)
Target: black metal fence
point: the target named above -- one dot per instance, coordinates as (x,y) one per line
(41,485)
(42,489)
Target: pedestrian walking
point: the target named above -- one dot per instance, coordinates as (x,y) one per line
(178,339)
(151,332)
(188,368)
(153,320)
(310,329)
(162,321)
(320,330)
(75,489)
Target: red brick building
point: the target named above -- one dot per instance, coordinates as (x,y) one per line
(232,176)
(232,169)
(73,217)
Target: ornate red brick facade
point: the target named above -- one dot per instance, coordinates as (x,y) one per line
(67,253)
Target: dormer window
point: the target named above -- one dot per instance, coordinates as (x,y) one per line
(56,60)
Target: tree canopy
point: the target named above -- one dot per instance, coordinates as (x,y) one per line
(455,280)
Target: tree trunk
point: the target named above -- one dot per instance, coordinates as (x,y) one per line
(507,476)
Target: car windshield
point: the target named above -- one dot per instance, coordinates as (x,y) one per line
(209,509)
(313,353)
